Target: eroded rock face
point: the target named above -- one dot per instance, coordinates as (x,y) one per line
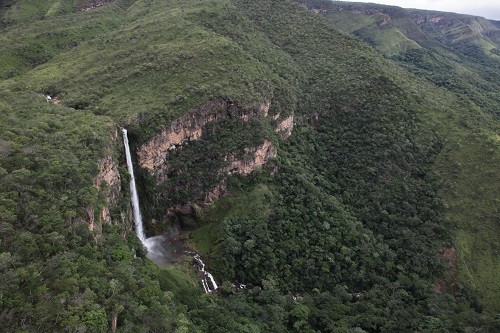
(264,108)
(285,126)
(108,179)
(384,22)
(108,173)
(154,153)
(454,27)
(159,156)
(254,158)
(94,4)
(108,182)
(215,194)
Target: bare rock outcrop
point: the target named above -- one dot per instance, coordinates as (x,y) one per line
(108,180)
(216,193)
(108,174)
(253,159)
(108,183)
(94,4)
(384,21)
(285,127)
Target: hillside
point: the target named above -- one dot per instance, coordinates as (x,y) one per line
(454,51)
(458,53)
(343,187)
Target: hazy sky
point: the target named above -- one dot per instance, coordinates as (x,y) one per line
(486,8)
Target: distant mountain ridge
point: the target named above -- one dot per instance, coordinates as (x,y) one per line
(460,52)
(415,24)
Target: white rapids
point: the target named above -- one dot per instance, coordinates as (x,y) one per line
(207,279)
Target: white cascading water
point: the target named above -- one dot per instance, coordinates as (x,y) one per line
(153,244)
(207,279)
(139,229)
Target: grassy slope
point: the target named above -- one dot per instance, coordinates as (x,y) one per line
(467,166)
(389,40)
(26,46)
(254,203)
(48,142)
(163,74)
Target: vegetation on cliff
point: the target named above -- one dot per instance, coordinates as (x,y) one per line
(348,229)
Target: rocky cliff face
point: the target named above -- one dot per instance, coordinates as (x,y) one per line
(454,27)
(109,184)
(285,126)
(108,180)
(253,159)
(384,21)
(157,155)
(154,153)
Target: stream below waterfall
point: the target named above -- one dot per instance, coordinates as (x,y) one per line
(167,248)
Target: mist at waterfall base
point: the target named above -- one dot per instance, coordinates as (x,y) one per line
(164,249)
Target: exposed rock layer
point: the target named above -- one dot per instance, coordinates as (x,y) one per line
(94,4)
(285,126)
(254,158)
(455,27)
(109,176)
(153,154)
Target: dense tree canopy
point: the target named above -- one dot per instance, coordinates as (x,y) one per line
(346,230)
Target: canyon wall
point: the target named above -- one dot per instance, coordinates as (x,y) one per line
(156,155)
(108,183)
(253,159)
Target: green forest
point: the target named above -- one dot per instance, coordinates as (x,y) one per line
(335,174)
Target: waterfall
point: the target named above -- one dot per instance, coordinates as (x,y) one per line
(156,245)
(139,229)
